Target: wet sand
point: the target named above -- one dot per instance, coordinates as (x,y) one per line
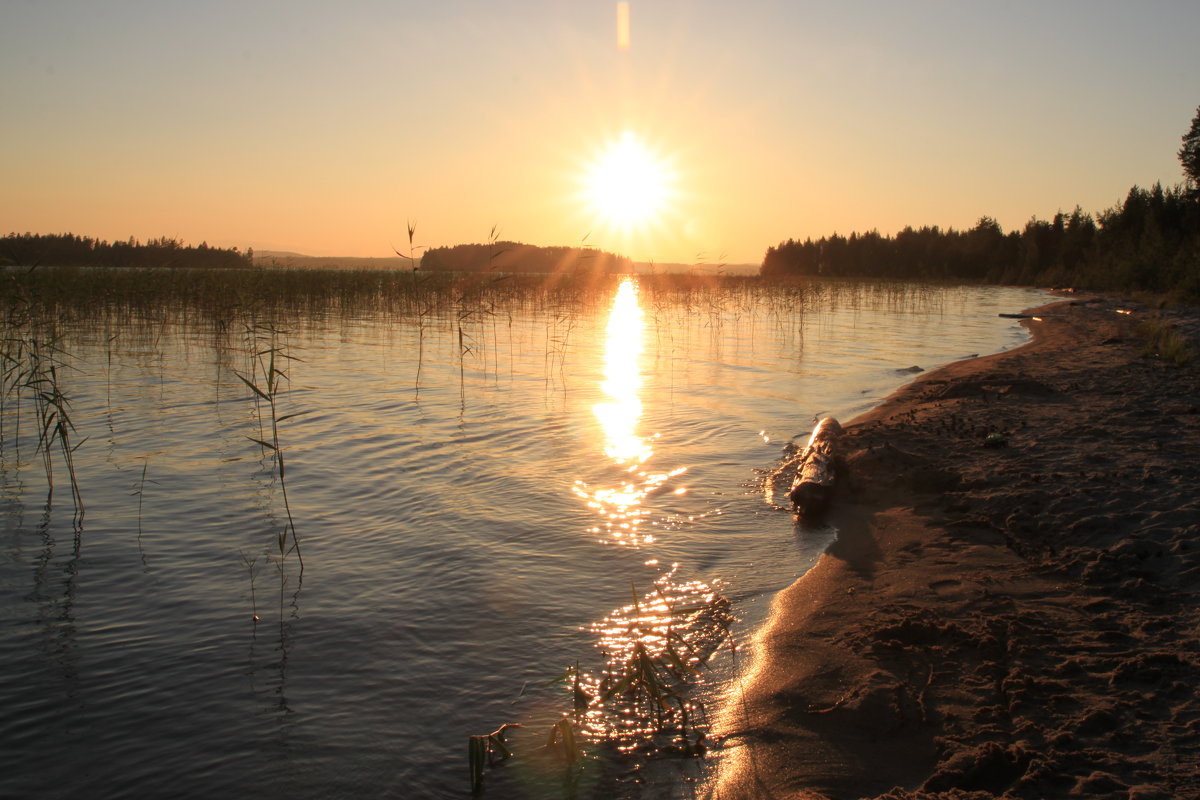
(1018,620)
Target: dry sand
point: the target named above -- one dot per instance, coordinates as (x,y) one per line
(1013,621)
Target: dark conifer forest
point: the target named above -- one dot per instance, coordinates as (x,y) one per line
(1148,242)
(70,250)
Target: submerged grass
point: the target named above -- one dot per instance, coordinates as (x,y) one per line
(638,707)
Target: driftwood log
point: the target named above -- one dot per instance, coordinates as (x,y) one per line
(813,486)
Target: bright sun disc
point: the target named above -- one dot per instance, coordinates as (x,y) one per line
(627,186)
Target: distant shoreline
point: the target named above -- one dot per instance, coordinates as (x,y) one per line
(283,259)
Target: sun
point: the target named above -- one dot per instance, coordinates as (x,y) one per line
(627,185)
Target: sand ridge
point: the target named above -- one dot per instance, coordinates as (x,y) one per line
(1010,609)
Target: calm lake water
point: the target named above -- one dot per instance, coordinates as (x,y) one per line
(464,529)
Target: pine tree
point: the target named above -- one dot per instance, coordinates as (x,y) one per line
(1189,154)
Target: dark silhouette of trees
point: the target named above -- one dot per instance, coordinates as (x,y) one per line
(1150,241)
(1189,154)
(517,257)
(69,250)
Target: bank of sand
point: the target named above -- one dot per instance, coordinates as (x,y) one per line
(1017,621)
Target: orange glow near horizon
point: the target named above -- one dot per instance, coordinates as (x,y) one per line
(329,156)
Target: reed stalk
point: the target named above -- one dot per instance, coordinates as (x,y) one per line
(33,360)
(140,493)
(269,362)
(251,565)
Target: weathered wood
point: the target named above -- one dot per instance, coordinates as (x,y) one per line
(814,483)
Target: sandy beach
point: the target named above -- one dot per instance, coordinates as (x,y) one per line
(1010,615)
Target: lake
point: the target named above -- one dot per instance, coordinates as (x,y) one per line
(483,493)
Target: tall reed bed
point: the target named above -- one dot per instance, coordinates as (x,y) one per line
(215,293)
(34,364)
(39,307)
(199,295)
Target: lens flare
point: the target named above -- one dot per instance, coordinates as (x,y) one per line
(622,26)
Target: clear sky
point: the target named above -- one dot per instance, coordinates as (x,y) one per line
(323,127)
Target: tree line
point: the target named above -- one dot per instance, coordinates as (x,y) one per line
(70,250)
(517,257)
(1150,241)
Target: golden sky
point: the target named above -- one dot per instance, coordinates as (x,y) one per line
(323,128)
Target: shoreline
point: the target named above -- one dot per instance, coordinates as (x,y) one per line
(1017,620)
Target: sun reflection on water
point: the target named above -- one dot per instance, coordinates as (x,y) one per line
(641,704)
(620,505)
(654,649)
(623,379)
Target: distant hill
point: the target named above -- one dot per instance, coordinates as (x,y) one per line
(285,259)
(519,257)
